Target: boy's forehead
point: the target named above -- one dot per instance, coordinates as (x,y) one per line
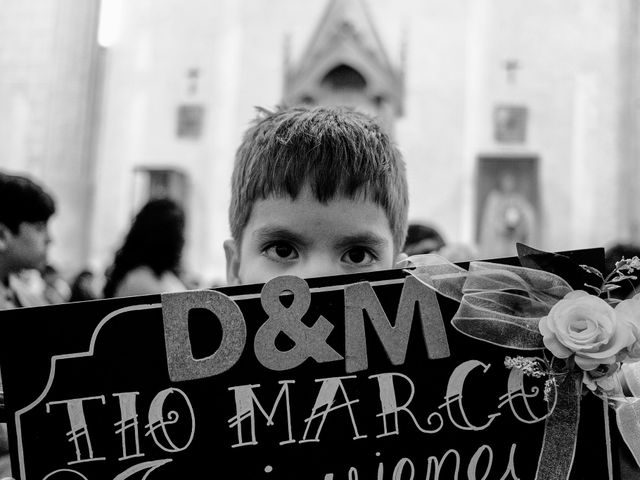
(305,213)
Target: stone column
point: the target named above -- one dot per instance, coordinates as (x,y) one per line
(48,75)
(629,131)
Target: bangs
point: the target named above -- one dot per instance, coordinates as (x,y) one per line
(331,163)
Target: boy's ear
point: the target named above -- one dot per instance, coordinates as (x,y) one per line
(232,254)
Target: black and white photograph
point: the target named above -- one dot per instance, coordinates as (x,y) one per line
(320,239)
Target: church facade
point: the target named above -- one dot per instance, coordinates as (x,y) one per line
(484,98)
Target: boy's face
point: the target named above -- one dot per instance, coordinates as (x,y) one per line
(307,238)
(26,248)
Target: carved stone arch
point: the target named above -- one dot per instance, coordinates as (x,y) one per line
(344,85)
(344,77)
(345,63)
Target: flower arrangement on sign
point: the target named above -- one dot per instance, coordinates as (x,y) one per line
(551,302)
(596,333)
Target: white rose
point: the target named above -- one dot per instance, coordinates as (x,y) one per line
(585,326)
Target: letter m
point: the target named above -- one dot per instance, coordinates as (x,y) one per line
(246,401)
(360,298)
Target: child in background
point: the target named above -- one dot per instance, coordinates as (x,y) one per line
(315,192)
(25,210)
(24,238)
(423,239)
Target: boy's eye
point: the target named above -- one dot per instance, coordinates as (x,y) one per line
(281,251)
(359,256)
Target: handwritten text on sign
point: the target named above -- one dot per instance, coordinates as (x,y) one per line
(145,430)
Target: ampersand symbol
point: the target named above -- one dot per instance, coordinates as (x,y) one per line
(309,341)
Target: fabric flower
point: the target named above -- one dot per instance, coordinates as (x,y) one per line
(585,326)
(629,312)
(606,382)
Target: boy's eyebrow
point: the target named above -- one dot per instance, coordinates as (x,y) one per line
(367,239)
(270,233)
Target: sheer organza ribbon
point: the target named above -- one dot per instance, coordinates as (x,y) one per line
(627,408)
(503,305)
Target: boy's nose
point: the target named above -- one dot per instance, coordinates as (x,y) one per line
(320,266)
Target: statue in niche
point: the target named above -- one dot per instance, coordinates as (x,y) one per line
(508,217)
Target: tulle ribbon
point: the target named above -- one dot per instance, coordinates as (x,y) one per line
(503,305)
(627,407)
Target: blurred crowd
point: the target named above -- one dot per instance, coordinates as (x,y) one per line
(149,258)
(148,261)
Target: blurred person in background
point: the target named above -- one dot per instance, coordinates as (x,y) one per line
(24,239)
(422,238)
(458,252)
(149,260)
(25,210)
(56,289)
(508,217)
(83,287)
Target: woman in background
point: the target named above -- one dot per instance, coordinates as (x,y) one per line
(149,260)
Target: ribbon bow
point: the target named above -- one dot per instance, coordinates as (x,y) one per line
(503,305)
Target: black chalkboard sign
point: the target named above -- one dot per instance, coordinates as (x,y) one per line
(336,378)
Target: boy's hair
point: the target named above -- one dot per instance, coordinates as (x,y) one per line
(22,201)
(335,150)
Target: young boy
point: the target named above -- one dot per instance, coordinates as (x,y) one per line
(315,192)
(24,236)
(25,209)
